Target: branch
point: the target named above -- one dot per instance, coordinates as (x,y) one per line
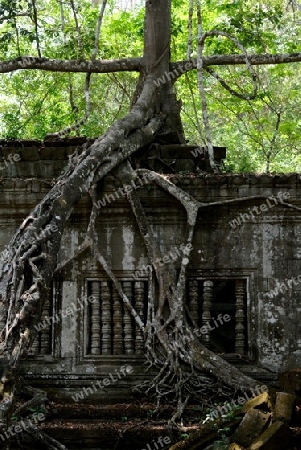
(79,123)
(76,66)
(197,124)
(97,32)
(126,174)
(230,60)
(127,303)
(201,86)
(39,397)
(189,43)
(79,36)
(35,16)
(74,108)
(135,64)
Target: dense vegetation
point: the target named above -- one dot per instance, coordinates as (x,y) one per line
(261,134)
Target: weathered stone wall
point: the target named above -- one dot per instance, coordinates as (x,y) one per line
(263,247)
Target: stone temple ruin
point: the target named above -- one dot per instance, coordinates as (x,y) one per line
(246,263)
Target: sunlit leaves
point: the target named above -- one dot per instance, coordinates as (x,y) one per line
(36,103)
(249,129)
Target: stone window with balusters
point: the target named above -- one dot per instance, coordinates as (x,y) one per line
(109,328)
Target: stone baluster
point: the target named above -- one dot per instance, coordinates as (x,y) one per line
(106,319)
(127,320)
(46,332)
(239,317)
(139,306)
(193,300)
(206,316)
(117,320)
(95,318)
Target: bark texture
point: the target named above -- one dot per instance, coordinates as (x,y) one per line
(136,64)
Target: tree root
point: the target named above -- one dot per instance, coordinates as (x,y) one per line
(182,361)
(39,436)
(39,399)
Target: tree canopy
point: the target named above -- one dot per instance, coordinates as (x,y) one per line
(262,134)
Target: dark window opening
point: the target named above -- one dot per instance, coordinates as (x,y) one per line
(219,309)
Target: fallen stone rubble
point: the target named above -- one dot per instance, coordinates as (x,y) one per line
(263,423)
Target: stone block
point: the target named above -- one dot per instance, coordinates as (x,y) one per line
(35,186)
(53,153)
(6,151)
(264,180)
(261,400)
(244,191)
(292,179)
(200,183)
(276,437)
(51,169)
(251,426)
(238,180)
(290,381)
(70,150)
(254,179)
(27,170)
(21,185)
(29,154)
(9,184)
(284,406)
(284,179)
